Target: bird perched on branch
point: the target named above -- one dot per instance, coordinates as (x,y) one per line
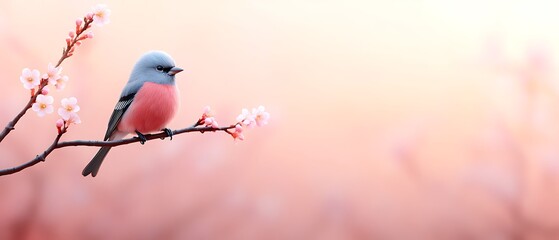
(147,103)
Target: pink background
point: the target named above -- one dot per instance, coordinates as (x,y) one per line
(390,120)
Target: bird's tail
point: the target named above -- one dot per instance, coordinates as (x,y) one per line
(95,163)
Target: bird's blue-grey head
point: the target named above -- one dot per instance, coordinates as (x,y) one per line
(154,66)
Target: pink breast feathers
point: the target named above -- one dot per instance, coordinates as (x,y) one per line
(153,107)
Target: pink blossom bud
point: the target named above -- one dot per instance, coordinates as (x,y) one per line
(207,112)
(78,43)
(238,133)
(238,128)
(45,90)
(240,137)
(79,22)
(89,35)
(89,16)
(68,41)
(71,34)
(59,125)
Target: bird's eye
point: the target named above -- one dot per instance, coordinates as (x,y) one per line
(159,68)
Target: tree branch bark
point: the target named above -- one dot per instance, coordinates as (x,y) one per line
(57,144)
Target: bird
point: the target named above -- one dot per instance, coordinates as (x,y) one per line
(147,103)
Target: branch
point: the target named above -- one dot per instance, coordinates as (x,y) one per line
(56,144)
(67,52)
(11,125)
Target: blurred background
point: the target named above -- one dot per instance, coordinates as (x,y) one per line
(423,119)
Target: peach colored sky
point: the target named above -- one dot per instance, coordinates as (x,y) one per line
(389,120)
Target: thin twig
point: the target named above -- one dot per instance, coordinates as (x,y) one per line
(56,144)
(11,125)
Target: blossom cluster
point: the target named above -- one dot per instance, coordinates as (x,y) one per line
(68,114)
(257,117)
(67,111)
(39,84)
(99,15)
(31,79)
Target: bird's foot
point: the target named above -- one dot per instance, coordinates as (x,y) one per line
(169,133)
(142,137)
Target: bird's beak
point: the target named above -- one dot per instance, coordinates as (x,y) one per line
(174,71)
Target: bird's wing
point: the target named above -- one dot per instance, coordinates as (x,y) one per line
(120,108)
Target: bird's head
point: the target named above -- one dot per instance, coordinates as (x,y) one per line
(155,66)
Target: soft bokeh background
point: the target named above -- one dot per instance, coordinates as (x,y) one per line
(424,119)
